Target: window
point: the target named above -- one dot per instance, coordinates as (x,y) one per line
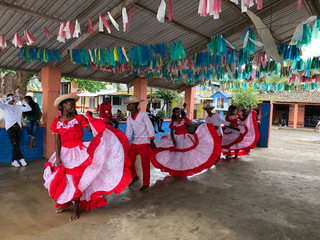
(116,100)
(64,88)
(91,103)
(220,102)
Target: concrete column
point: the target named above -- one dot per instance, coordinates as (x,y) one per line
(140,89)
(295,116)
(189,99)
(50,80)
(270,123)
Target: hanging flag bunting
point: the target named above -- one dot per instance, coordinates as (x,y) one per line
(259,4)
(61,35)
(316,29)
(90,28)
(3,43)
(17,42)
(66,29)
(71,27)
(103,21)
(302,34)
(114,23)
(299,5)
(216,8)
(170,11)
(29,38)
(249,41)
(77,29)
(47,32)
(161,11)
(124,18)
(129,21)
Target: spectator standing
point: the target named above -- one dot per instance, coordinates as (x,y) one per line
(32,120)
(154,113)
(152,119)
(13,115)
(184,112)
(284,116)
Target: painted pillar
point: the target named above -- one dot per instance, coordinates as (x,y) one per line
(295,116)
(270,123)
(204,111)
(189,99)
(50,81)
(140,89)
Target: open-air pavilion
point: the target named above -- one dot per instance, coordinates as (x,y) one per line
(187,26)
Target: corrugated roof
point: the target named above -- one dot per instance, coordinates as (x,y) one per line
(193,30)
(301,96)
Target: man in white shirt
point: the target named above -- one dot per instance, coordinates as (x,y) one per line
(154,113)
(13,114)
(140,126)
(215,119)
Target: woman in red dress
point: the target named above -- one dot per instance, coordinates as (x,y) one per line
(248,119)
(81,172)
(182,154)
(233,135)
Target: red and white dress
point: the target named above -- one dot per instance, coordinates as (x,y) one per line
(192,154)
(251,138)
(88,169)
(231,137)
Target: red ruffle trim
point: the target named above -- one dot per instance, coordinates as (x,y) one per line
(174,149)
(96,199)
(189,172)
(239,139)
(257,135)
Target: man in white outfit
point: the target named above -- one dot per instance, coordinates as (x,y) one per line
(13,114)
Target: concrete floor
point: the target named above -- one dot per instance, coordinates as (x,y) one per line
(271,194)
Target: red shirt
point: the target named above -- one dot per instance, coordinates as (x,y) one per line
(70,132)
(233,118)
(105,112)
(181,126)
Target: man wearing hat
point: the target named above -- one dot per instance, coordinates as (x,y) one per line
(215,119)
(140,126)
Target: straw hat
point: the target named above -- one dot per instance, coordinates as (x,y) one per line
(208,106)
(64,97)
(133,99)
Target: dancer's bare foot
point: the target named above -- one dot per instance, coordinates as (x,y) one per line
(144,188)
(76,211)
(30,145)
(33,144)
(61,209)
(133,181)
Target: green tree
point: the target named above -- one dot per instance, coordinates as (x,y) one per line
(89,85)
(168,96)
(14,82)
(245,97)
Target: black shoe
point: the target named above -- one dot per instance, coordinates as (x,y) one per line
(144,189)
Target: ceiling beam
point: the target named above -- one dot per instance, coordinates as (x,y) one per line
(178,25)
(316,4)
(244,24)
(310,10)
(29,12)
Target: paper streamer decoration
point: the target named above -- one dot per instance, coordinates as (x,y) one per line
(3,43)
(61,35)
(124,18)
(114,23)
(259,4)
(77,29)
(71,27)
(17,42)
(103,21)
(302,34)
(299,5)
(47,32)
(29,38)
(316,28)
(269,44)
(161,11)
(170,11)
(66,29)
(130,17)
(90,28)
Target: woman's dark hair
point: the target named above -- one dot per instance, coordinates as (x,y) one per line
(66,101)
(32,104)
(173,117)
(233,107)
